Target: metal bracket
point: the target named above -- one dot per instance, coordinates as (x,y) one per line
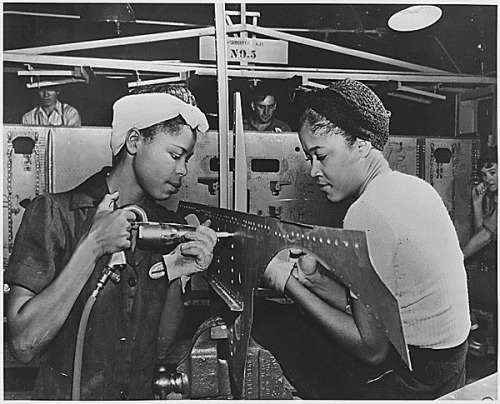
(211,183)
(275,186)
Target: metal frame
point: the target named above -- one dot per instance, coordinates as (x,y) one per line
(421,74)
(167,67)
(414,73)
(236,271)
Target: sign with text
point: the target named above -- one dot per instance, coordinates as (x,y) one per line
(251,50)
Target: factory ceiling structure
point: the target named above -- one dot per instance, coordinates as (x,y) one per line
(311,43)
(353,36)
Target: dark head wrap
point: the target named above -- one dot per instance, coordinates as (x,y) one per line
(353,107)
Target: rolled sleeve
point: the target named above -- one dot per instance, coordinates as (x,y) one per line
(72,117)
(39,239)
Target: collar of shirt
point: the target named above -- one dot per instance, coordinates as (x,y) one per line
(57,109)
(268,128)
(90,193)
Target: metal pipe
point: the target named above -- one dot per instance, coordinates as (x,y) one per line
(340,49)
(139,212)
(129,40)
(248,71)
(223,94)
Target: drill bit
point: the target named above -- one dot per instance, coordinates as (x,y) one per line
(224,234)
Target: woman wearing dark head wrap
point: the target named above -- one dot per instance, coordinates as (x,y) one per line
(413,247)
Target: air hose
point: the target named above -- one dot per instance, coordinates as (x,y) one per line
(116,261)
(77,367)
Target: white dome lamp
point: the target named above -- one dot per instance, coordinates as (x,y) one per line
(414,18)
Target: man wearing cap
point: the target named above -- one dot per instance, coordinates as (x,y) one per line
(65,240)
(339,349)
(51,111)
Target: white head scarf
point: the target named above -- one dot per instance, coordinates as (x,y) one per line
(141,111)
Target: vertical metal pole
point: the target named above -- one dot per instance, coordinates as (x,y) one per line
(243,20)
(240,167)
(223,97)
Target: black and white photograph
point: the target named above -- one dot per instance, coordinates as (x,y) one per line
(281,200)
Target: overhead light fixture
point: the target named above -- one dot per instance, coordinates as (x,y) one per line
(414,18)
(414,94)
(116,13)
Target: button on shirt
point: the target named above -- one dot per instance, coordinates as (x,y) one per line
(62,115)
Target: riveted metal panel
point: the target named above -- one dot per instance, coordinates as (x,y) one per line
(76,154)
(239,263)
(24,176)
(290,193)
(450,169)
(402,153)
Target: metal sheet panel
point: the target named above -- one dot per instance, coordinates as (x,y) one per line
(201,184)
(278,180)
(280,185)
(450,169)
(76,154)
(24,176)
(239,263)
(402,153)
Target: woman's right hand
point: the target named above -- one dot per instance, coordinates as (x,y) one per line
(307,270)
(110,228)
(478,192)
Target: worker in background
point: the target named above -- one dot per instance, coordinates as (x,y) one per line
(480,253)
(65,240)
(264,106)
(328,343)
(51,111)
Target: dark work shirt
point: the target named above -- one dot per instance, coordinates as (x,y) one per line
(275,126)
(121,339)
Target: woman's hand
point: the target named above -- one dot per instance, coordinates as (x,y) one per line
(307,270)
(478,193)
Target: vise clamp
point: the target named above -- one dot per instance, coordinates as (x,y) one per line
(204,371)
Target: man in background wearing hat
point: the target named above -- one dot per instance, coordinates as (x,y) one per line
(65,241)
(51,111)
(339,349)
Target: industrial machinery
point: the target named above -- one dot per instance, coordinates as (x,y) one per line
(224,360)
(43,159)
(285,210)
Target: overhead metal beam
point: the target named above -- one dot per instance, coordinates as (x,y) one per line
(332,74)
(340,49)
(243,27)
(248,71)
(115,64)
(50,83)
(128,40)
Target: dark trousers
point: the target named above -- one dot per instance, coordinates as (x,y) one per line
(319,370)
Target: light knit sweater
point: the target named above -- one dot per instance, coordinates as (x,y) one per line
(414,248)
